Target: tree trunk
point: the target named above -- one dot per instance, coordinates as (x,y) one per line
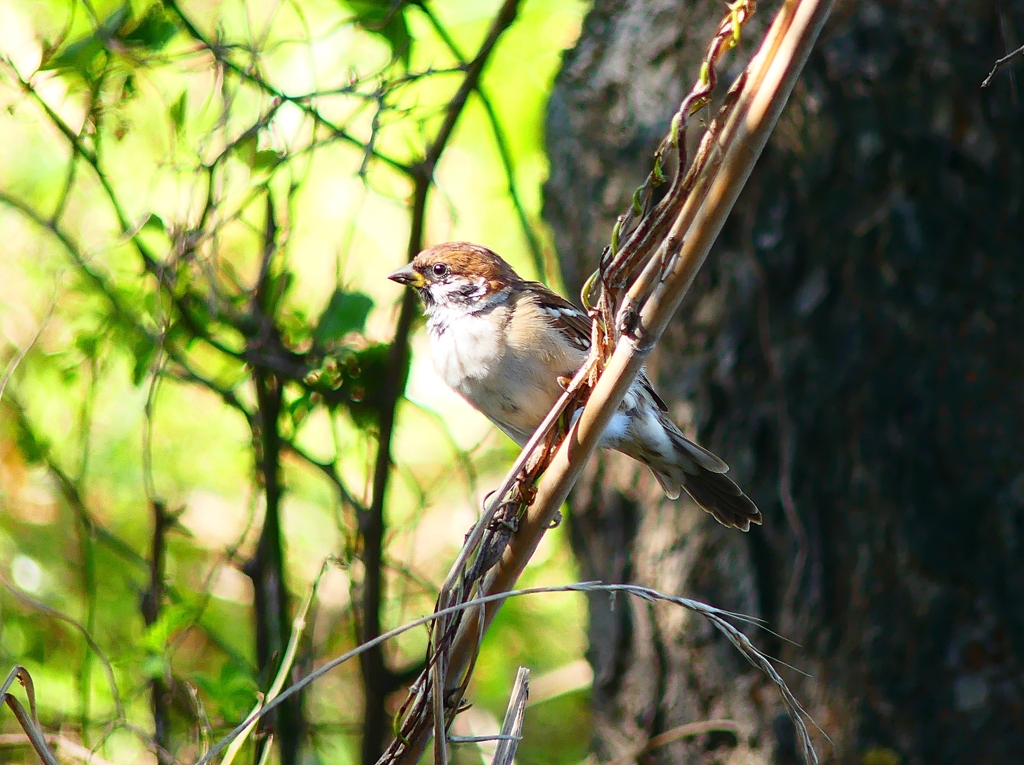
(854,350)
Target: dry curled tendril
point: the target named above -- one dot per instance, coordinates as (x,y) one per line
(639,234)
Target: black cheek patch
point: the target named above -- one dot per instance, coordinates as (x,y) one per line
(471,290)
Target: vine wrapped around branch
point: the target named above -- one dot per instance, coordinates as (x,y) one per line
(665,242)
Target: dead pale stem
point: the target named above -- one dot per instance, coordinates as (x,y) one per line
(770,78)
(283,672)
(1004,61)
(512,727)
(27,719)
(718,617)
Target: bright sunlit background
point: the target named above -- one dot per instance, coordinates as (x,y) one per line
(91,430)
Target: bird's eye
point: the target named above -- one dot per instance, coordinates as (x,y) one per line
(440,270)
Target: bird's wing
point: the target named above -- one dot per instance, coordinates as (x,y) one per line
(646,385)
(572,322)
(575,325)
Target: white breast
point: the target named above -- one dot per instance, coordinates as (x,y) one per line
(466,350)
(507,376)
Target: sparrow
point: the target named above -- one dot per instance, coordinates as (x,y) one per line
(504,344)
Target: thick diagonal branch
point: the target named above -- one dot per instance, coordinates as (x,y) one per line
(768,82)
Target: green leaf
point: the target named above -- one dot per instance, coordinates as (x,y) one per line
(88,344)
(153,666)
(143,349)
(299,408)
(387,19)
(81,55)
(245,148)
(172,619)
(129,89)
(278,283)
(266,159)
(32,449)
(155,223)
(152,32)
(355,380)
(234,691)
(178,110)
(346,312)
(363,386)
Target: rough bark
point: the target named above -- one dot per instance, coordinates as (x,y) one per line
(854,350)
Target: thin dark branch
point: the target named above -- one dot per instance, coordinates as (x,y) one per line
(248,75)
(371,523)
(267,569)
(329,470)
(151,601)
(505,152)
(501,143)
(53,613)
(502,21)
(378,680)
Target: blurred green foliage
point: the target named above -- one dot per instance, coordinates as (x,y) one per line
(194,195)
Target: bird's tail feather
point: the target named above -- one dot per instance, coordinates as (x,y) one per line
(703,476)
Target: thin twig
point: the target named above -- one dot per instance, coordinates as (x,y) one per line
(53,613)
(504,151)
(717,616)
(512,726)
(248,74)
(151,603)
(1000,63)
(508,165)
(28,721)
(12,366)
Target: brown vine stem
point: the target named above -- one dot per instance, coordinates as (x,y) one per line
(769,80)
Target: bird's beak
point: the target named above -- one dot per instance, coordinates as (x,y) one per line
(408,275)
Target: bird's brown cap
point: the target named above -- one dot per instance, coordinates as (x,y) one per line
(460,259)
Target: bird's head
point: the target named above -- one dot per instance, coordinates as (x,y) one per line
(457,276)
